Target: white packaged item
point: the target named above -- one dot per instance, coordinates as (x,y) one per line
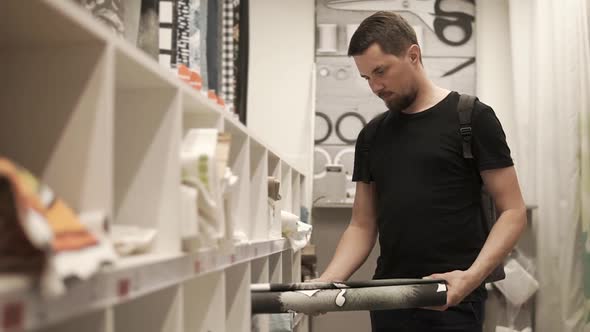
(189,223)
(519,285)
(199,170)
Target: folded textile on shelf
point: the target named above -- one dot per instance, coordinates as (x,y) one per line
(132,240)
(42,236)
(298,233)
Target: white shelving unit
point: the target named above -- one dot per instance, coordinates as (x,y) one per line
(101,123)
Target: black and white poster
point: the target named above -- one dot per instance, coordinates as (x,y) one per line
(109,12)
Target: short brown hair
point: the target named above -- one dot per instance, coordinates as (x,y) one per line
(388,29)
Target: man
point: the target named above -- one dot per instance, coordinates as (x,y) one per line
(417,192)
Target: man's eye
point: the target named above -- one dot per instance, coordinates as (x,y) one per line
(379,71)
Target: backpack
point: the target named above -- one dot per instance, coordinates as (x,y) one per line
(488,206)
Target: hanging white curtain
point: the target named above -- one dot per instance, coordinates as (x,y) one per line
(551,72)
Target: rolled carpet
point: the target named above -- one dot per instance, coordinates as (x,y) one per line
(350,299)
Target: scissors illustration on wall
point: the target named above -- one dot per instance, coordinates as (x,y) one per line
(429,11)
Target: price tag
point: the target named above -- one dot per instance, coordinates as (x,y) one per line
(13,316)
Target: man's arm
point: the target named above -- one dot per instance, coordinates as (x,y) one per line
(503,185)
(358,239)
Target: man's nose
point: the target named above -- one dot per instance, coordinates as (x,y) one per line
(376,86)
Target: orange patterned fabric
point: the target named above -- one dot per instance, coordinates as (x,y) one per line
(68,232)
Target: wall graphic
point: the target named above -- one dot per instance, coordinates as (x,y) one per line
(344,102)
(109,12)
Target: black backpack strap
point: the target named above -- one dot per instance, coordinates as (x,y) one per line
(464,108)
(488,210)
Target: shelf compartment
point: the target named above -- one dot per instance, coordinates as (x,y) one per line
(204,303)
(197,114)
(260,273)
(147,162)
(160,311)
(259,216)
(56,119)
(239,162)
(286,187)
(287,262)
(275,268)
(274,170)
(238,302)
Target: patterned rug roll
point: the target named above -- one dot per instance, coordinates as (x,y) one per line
(350,299)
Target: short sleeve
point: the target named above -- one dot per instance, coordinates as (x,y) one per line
(362,166)
(489,140)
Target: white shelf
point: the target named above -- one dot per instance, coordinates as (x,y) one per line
(101,123)
(130,278)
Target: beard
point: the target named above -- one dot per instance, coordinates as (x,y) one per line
(398,103)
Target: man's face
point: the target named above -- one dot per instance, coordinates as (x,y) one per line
(391,78)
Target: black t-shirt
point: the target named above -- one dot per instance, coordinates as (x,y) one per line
(428,195)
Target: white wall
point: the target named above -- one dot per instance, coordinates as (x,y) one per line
(280,103)
(494,64)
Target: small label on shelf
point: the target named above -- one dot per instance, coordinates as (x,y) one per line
(197,266)
(13,316)
(123,287)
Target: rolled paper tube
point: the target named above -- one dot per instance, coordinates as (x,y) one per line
(275,287)
(350,299)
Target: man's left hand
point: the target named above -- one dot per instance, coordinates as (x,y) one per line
(459,285)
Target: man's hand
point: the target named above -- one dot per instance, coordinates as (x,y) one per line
(459,285)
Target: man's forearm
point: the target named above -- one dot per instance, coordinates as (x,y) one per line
(355,245)
(500,242)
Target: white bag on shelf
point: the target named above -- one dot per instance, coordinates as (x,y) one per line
(298,233)
(519,285)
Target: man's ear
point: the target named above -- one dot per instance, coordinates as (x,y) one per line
(414,53)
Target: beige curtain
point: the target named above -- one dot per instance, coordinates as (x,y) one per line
(551,74)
